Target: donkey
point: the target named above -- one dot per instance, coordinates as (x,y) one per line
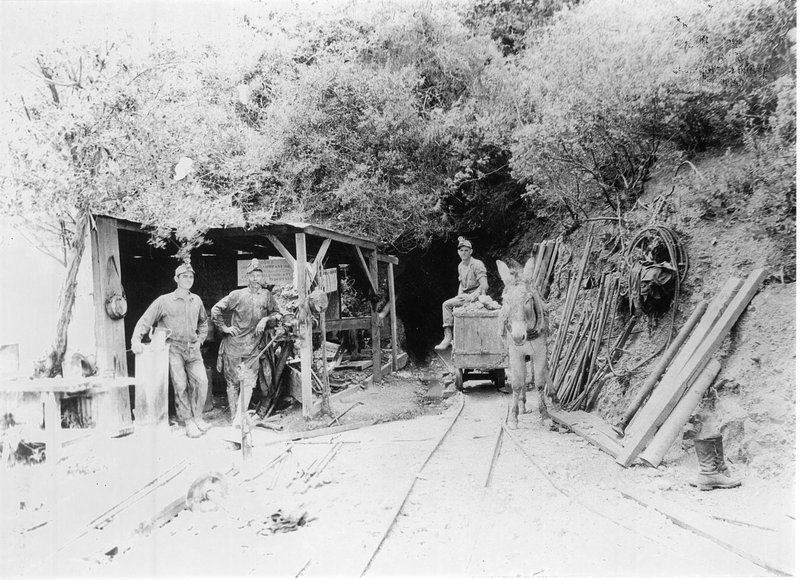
(523,327)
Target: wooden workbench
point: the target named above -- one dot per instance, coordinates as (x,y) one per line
(54,390)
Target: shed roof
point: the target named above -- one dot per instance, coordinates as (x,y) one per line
(253,235)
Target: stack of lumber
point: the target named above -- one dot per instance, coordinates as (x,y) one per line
(686,377)
(656,416)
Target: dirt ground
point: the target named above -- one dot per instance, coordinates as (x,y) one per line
(519,525)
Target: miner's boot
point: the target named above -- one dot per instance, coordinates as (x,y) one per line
(447,340)
(713,471)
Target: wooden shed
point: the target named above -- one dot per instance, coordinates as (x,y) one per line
(121,259)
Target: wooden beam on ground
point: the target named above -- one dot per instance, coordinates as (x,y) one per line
(668,393)
(305,339)
(774,556)
(590,427)
(393,315)
(376,323)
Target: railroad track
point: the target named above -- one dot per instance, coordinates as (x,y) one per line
(503,513)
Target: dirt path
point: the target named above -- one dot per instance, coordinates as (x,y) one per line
(522,524)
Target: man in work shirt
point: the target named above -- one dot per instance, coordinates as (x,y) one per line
(183,315)
(251,310)
(471,284)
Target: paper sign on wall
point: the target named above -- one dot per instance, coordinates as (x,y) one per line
(329,281)
(277,271)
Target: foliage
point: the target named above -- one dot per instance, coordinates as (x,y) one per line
(507,22)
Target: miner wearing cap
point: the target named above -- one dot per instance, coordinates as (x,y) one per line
(250,310)
(182,314)
(471,284)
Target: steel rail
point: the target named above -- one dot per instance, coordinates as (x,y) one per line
(411,486)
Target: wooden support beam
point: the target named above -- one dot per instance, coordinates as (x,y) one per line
(669,392)
(373,283)
(393,315)
(354,323)
(304,342)
(282,250)
(109,334)
(323,249)
(376,323)
(388,259)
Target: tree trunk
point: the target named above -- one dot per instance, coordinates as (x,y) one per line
(66,298)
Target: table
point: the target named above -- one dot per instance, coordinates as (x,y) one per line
(53,390)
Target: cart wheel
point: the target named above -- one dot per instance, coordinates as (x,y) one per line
(500,378)
(459,380)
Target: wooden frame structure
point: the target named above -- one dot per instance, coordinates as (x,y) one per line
(304,246)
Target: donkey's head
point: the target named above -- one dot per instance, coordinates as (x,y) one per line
(522,309)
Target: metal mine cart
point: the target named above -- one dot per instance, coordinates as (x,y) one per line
(478,351)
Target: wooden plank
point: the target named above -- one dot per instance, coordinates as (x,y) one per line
(109,333)
(588,429)
(335,236)
(392,314)
(775,556)
(376,323)
(673,426)
(712,314)
(351,323)
(304,341)
(669,392)
(388,259)
(662,365)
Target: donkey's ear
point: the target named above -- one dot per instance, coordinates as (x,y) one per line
(505,274)
(527,273)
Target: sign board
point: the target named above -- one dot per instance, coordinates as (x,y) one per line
(329,281)
(277,271)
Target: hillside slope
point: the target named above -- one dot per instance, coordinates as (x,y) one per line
(728,228)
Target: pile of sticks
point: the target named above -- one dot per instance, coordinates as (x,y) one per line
(578,372)
(547,254)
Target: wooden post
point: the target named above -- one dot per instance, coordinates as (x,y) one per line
(52,426)
(326,383)
(392,314)
(305,343)
(377,376)
(109,334)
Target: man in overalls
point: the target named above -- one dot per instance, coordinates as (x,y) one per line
(183,315)
(471,284)
(251,310)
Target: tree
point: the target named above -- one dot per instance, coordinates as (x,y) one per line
(106,133)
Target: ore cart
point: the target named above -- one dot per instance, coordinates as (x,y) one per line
(478,351)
